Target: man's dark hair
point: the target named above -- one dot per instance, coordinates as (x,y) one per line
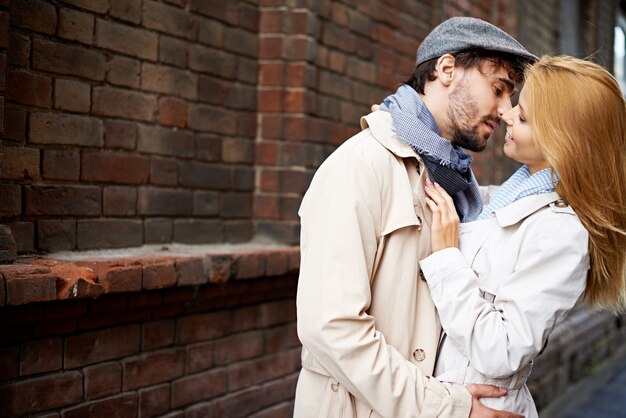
(469,59)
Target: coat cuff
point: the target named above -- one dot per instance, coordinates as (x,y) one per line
(446,400)
(442,264)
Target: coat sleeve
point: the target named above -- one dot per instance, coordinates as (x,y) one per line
(341,224)
(500,337)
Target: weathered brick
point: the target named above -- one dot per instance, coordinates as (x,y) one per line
(238,347)
(205,175)
(172,112)
(99,346)
(123,103)
(241,375)
(270,100)
(202,327)
(126,39)
(199,357)
(35,15)
(243,178)
(201,386)
(159,275)
(167,19)
(55,128)
(198,410)
(62,200)
(165,141)
(115,167)
(157,334)
(208,147)
(119,201)
(247,70)
(190,271)
(123,405)
(241,41)
(276,365)
(160,201)
(102,380)
(154,401)
(98,6)
(249,17)
(28,88)
(8,251)
(123,71)
(266,206)
(19,49)
(206,203)
(240,404)
(211,33)
(163,171)
(11,202)
(43,355)
(236,205)
(212,62)
(56,234)
(279,390)
(168,80)
(72,95)
(120,134)
(173,51)
(15,124)
(158,230)
(9,363)
(115,276)
(238,151)
(24,234)
(274,313)
(226,12)
(41,394)
(213,90)
(68,59)
(129,10)
(76,26)
(108,233)
(150,368)
(198,231)
(19,163)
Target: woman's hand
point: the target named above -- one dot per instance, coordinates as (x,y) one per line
(445,226)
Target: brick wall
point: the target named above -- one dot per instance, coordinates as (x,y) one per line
(223,351)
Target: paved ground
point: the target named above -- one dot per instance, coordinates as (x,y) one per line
(602,395)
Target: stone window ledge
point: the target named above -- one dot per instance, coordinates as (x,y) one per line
(89,274)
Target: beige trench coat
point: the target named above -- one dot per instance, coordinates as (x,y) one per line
(365,317)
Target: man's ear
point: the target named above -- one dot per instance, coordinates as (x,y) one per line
(446,65)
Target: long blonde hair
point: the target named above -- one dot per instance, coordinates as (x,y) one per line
(577,115)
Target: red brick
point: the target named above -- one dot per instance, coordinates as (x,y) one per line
(213,62)
(27,285)
(160,201)
(102,380)
(270,100)
(9,363)
(62,200)
(98,6)
(154,401)
(247,126)
(30,89)
(275,313)
(156,276)
(24,234)
(68,59)
(283,410)
(212,119)
(226,12)
(198,387)
(271,126)
(98,346)
(241,375)
(173,51)
(115,276)
(208,148)
(112,233)
(123,103)
(167,19)
(124,71)
(190,271)
(157,334)
(55,128)
(239,347)
(75,282)
(76,26)
(40,394)
(195,328)
(150,368)
(241,404)
(277,263)
(72,95)
(250,266)
(19,163)
(115,167)
(129,10)
(168,80)
(271,74)
(36,15)
(220,268)
(270,180)
(199,357)
(172,112)
(118,200)
(165,141)
(279,390)
(271,47)
(163,171)
(11,202)
(120,134)
(40,356)
(126,39)
(124,405)
(275,365)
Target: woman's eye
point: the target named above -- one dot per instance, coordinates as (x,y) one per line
(521,119)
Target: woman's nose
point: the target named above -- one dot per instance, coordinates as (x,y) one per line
(507,116)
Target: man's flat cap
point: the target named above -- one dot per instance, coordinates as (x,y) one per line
(462,33)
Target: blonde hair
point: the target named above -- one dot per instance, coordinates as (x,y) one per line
(577,115)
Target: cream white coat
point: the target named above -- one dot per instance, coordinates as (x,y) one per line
(513,278)
(365,318)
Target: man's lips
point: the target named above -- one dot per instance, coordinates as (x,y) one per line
(492,125)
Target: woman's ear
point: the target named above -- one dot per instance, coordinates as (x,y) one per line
(446,64)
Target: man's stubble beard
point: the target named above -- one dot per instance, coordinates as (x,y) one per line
(461,112)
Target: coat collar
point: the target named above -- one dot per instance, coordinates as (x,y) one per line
(526,206)
(381,126)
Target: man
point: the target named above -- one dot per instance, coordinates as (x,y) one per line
(365,318)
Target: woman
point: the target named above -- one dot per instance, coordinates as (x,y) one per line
(553,233)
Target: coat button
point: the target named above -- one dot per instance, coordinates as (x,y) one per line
(421,274)
(335,386)
(419,354)
(419,223)
(561,203)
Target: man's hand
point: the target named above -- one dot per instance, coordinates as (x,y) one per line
(374,108)
(481,411)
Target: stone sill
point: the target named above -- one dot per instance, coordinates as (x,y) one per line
(89,274)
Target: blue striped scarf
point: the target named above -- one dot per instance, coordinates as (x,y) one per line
(445,162)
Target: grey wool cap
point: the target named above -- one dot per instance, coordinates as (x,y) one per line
(462,33)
